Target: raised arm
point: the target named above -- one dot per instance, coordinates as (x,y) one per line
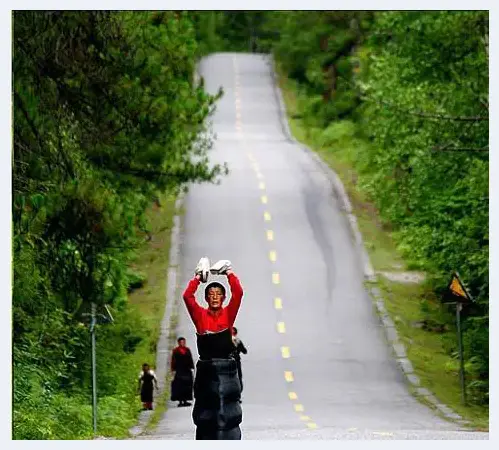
(236,297)
(190,300)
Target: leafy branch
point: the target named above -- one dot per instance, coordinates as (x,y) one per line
(425,115)
(461,149)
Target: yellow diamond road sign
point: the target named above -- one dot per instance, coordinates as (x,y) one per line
(457,288)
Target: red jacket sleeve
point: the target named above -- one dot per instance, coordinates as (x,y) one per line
(195,311)
(235,300)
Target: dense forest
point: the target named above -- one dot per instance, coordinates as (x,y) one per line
(107,115)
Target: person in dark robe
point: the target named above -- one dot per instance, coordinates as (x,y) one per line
(182,366)
(147,382)
(238,349)
(217,411)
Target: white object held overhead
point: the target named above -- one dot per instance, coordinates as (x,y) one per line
(221,267)
(203,269)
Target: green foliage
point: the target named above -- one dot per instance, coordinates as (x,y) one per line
(135,279)
(106,114)
(426,97)
(409,92)
(232,31)
(321,57)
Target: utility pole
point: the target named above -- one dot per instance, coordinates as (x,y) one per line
(93,321)
(92,314)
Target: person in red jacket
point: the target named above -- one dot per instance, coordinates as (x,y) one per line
(182,366)
(217,411)
(215,318)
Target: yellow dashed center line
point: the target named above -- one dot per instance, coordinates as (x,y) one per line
(281,327)
(352,429)
(382,433)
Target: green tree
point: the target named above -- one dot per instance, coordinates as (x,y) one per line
(106,113)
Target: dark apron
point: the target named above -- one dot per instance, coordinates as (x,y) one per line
(181,388)
(146,391)
(182,384)
(217,412)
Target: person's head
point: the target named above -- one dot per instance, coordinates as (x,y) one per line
(214,294)
(181,342)
(145,367)
(234,331)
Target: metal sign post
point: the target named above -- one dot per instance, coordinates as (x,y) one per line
(93,321)
(458,294)
(459,307)
(93,318)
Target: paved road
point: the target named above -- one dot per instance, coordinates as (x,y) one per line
(318,366)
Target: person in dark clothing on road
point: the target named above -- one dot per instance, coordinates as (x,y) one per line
(147,382)
(182,366)
(217,412)
(238,349)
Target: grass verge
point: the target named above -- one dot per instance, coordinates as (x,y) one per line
(162,401)
(408,304)
(149,300)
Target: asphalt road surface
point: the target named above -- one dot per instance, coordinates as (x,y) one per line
(318,366)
